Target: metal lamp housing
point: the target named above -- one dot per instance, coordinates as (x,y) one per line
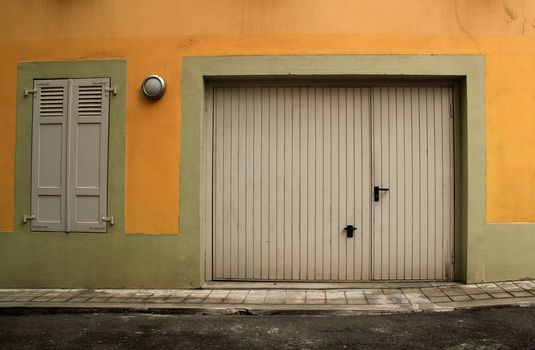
(153,86)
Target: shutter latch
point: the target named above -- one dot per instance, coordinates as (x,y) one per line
(113,90)
(26,218)
(109,219)
(27,91)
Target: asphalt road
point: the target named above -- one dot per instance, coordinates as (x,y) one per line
(504,328)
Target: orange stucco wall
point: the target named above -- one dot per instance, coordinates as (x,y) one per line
(154,36)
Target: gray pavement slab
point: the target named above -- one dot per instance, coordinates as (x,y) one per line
(348,300)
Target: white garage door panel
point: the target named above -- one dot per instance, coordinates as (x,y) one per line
(291,166)
(288,165)
(413,157)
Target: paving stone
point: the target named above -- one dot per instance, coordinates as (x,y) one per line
(521,294)
(335,295)
(526,285)
(118,299)
(315,301)
(156,299)
(379,300)
(357,301)
(295,297)
(8,298)
(355,295)
(314,294)
(391,291)
(275,297)
(201,294)
(410,290)
(397,299)
(434,293)
(256,297)
(490,288)
(417,297)
(98,300)
(43,298)
(218,294)
(181,294)
(480,296)
(501,295)
(174,300)
(65,296)
(78,299)
(194,300)
(440,299)
(453,291)
(236,297)
(373,292)
(26,298)
(460,298)
(213,301)
(509,286)
(472,291)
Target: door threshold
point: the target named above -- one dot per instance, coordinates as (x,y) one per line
(325,285)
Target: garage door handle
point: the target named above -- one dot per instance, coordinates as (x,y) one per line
(376,190)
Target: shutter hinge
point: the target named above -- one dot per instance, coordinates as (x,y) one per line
(27,91)
(113,89)
(26,218)
(109,219)
(451,110)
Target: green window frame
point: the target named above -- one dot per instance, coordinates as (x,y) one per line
(28,72)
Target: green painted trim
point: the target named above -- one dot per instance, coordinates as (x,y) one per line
(28,71)
(85,260)
(479,240)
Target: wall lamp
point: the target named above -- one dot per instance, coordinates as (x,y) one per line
(153,86)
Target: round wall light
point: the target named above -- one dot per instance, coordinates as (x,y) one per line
(153,86)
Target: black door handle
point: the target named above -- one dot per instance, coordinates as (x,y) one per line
(376,190)
(349,230)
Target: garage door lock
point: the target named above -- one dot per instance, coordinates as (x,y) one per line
(349,230)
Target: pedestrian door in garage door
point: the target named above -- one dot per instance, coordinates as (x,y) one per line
(292,169)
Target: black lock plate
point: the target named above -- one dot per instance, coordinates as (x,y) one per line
(349,230)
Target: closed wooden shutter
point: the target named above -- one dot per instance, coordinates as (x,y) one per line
(88,155)
(49,155)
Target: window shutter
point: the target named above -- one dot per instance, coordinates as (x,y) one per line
(88,155)
(49,141)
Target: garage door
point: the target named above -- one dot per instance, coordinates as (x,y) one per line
(294,168)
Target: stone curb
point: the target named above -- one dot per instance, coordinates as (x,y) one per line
(479,304)
(252,309)
(212,309)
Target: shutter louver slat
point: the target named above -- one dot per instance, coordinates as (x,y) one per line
(90,101)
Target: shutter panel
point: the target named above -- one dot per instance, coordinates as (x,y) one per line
(88,155)
(49,141)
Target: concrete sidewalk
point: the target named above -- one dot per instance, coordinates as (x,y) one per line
(274,301)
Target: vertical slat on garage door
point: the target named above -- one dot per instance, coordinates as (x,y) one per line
(413,157)
(282,168)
